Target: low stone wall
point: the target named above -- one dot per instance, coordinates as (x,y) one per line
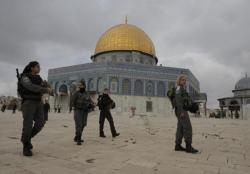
(160,105)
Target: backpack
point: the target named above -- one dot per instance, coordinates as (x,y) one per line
(113,105)
(105,102)
(171,96)
(99,103)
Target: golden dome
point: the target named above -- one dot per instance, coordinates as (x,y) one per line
(125,37)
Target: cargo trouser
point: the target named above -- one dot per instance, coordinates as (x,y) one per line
(46,114)
(32,111)
(80,117)
(106,114)
(184,129)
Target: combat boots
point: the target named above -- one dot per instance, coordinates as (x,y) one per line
(115,135)
(102,135)
(178,147)
(190,149)
(76,139)
(29,145)
(27,150)
(79,142)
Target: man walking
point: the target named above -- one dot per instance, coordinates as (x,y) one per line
(82,105)
(105,103)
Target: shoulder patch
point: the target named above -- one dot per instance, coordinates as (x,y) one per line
(26,80)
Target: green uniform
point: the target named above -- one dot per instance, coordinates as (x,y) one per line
(184,127)
(32,106)
(82,103)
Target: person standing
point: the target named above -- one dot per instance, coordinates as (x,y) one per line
(59,109)
(31,89)
(184,128)
(105,103)
(46,110)
(82,104)
(3,107)
(55,109)
(14,107)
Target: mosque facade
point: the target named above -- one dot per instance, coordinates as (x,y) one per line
(125,62)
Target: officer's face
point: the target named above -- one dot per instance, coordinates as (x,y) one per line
(35,69)
(82,86)
(106,91)
(183,82)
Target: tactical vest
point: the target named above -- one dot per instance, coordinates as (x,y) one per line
(82,100)
(171,96)
(105,102)
(26,93)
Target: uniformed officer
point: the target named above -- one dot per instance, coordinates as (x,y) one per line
(105,103)
(31,89)
(184,128)
(82,105)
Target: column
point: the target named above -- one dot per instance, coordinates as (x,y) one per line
(120,85)
(155,88)
(132,87)
(144,87)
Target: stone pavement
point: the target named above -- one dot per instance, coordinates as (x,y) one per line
(145,147)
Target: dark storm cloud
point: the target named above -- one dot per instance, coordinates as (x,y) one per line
(209,37)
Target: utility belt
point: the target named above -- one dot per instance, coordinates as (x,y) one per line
(86,107)
(31,97)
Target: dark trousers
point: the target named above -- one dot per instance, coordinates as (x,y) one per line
(184,129)
(80,117)
(46,116)
(106,114)
(32,111)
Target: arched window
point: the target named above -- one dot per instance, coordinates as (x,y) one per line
(63,89)
(128,59)
(138,88)
(248,101)
(234,105)
(161,89)
(56,87)
(114,58)
(126,87)
(171,85)
(103,59)
(114,85)
(90,85)
(150,88)
(73,86)
(100,84)
(222,103)
(141,60)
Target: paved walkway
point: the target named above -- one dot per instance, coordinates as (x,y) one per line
(144,147)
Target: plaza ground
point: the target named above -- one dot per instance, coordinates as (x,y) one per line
(145,146)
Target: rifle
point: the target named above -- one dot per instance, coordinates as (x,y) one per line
(17,74)
(19,88)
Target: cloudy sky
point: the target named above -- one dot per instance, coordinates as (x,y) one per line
(210,37)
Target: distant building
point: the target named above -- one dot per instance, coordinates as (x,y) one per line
(238,106)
